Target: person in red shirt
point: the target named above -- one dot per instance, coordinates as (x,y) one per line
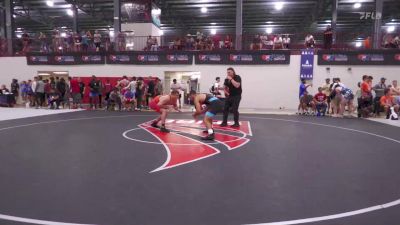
(365,100)
(320,100)
(76,93)
(387,101)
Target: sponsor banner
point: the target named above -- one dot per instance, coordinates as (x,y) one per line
(243,57)
(65,59)
(150,58)
(307,64)
(362,57)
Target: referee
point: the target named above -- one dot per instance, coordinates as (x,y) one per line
(233,93)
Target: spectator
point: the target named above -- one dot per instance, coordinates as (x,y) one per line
(15,89)
(154,47)
(54,98)
(328,37)
(256,45)
(189,42)
(233,91)
(4,90)
(47,88)
(129,100)
(85,41)
(149,43)
(114,99)
(395,89)
(43,43)
(159,87)
(61,89)
(387,101)
(39,92)
(107,89)
(77,41)
(346,100)
(26,41)
(140,88)
(199,36)
(379,92)
(326,90)
(94,86)
(101,90)
(75,93)
(97,40)
(302,92)
(365,100)
(175,86)
(69,41)
(121,42)
(150,90)
(309,41)
(320,100)
(278,42)
(367,43)
(286,42)
(24,91)
(81,87)
(228,42)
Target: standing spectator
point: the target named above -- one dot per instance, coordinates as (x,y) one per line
(76,93)
(25,42)
(43,43)
(233,93)
(326,90)
(121,41)
(158,87)
(77,42)
(61,88)
(387,101)
(149,43)
(367,43)
(85,42)
(286,42)
(302,93)
(256,45)
(150,90)
(139,92)
(39,92)
(30,93)
(15,89)
(328,37)
(309,41)
(379,92)
(217,88)
(82,87)
(132,85)
(24,91)
(47,88)
(94,86)
(175,86)
(101,89)
(89,40)
(69,41)
(107,89)
(97,40)
(365,101)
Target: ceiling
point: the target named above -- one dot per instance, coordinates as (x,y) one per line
(181,16)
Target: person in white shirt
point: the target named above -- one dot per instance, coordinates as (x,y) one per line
(97,40)
(286,42)
(175,86)
(217,89)
(309,41)
(132,86)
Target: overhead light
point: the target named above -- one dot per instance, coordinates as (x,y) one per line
(63,34)
(64,27)
(156,11)
(328,21)
(358,44)
(393,20)
(111,33)
(19,28)
(213,23)
(357,5)
(161,32)
(19,35)
(70,12)
(269,30)
(128,5)
(213,31)
(15,16)
(60,72)
(391,29)
(269,22)
(203,9)
(50,3)
(279,5)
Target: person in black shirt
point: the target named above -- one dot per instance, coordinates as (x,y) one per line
(328,37)
(94,86)
(150,90)
(233,93)
(15,89)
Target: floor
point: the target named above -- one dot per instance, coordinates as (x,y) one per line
(96,167)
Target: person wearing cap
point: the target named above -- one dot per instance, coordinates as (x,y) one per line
(379,92)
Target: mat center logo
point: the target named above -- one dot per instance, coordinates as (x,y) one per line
(183,144)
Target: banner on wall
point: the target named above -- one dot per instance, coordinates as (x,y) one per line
(64,59)
(243,57)
(307,64)
(362,57)
(150,58)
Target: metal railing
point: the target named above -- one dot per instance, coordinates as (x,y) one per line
(21,46)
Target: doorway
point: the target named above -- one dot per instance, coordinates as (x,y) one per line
(47,74)
(188,80)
